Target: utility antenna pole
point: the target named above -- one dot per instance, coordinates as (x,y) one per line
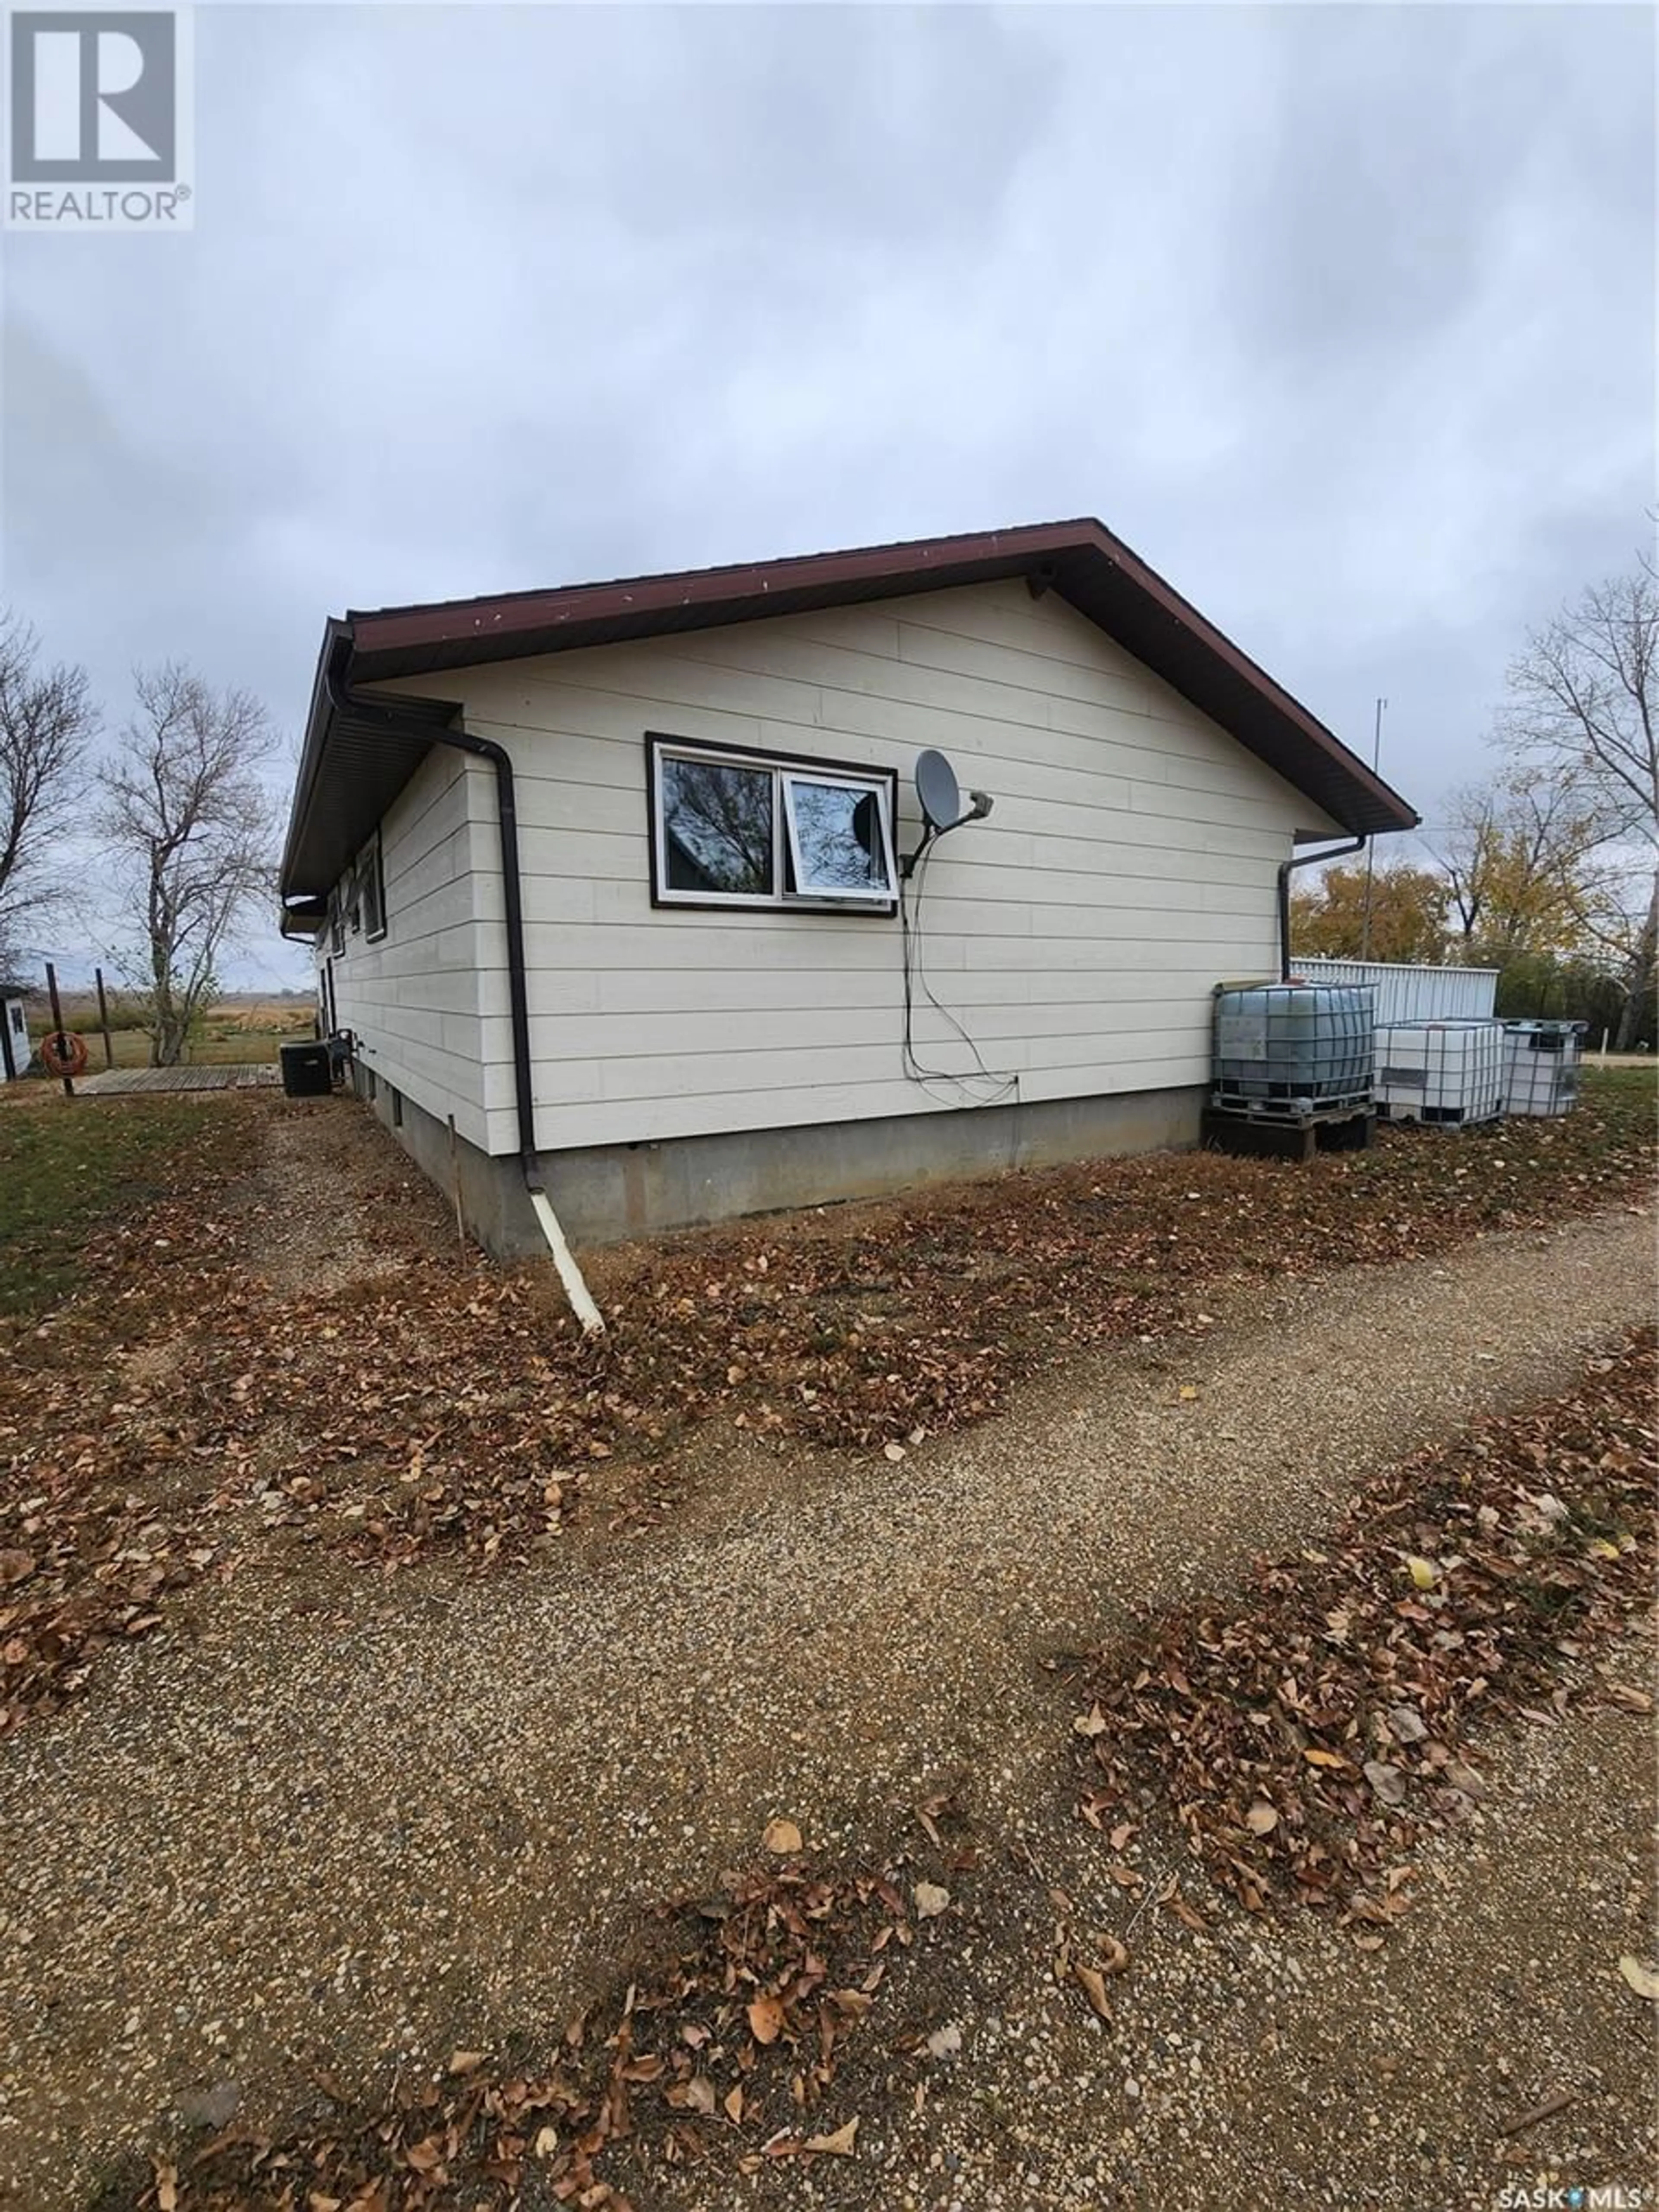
(1370,842)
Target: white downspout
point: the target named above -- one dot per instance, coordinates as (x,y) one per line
(575,1288)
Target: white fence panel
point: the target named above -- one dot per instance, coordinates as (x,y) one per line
(1406,993)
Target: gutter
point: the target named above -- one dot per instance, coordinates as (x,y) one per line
(382,713)
(1303,861)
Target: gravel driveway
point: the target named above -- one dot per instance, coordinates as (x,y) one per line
(348,1819)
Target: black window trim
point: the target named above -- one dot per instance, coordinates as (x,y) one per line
(371,870)
(781,764)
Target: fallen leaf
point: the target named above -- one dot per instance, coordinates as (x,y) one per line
(1424,1572)
(1261,1820)
(895,1452)
(1642,1979)
(1388,1781)
(944,2042)
(1187,1915)
(1114,1956)
(1317,1758)
(466,2062)
(700,2095)
(1092,1982)
(1092,1724)
(931,1899)
(766,2019)
(781,1837)
(733,2103)
(842,2144)
(1189,1390)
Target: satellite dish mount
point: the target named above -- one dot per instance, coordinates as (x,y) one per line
(940,796)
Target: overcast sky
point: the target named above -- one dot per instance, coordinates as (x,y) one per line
(1343,318)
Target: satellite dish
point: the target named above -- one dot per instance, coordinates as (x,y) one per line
(938,790)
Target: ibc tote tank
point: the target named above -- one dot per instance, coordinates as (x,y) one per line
(1293,1047)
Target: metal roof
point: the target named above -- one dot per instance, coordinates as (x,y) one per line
(351,770)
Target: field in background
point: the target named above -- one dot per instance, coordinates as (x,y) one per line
(245,1030)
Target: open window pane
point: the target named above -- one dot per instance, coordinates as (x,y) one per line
(838,838)
(718,833)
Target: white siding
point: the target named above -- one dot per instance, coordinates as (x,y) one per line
(412,997)
(1129,864)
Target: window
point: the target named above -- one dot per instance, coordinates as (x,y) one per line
(737,828)
(337,923)
(838,838)
(17,1016)
(371,891)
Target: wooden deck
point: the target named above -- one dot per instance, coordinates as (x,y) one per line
(121,1082)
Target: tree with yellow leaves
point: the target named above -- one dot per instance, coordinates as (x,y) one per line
(1409,914)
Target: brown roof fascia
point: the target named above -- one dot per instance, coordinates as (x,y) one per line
(418,639)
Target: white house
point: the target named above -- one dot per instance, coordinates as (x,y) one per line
(625,889)
(15,1049)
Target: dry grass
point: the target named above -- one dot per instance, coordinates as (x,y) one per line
(237,1031)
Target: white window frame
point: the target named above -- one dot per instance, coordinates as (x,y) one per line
(781,767)
(864,786)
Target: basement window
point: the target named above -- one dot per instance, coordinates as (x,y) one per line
(733,827)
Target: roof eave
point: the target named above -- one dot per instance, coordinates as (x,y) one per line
(1081,560)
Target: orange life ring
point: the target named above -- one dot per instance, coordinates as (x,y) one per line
(62,1053)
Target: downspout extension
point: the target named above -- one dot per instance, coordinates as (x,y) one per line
(343,699)
(1303,861)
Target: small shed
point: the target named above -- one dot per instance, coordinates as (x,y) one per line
(15,1049)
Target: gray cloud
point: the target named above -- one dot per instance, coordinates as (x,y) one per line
(1343,317)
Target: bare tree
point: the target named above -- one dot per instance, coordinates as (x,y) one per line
(1584,707)
(47,720)
(1517,857)
(192,828)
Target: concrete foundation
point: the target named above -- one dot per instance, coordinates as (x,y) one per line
(604,1194)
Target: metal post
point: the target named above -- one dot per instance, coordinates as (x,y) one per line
(103,1020)
(57,1023)
(1371,850)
